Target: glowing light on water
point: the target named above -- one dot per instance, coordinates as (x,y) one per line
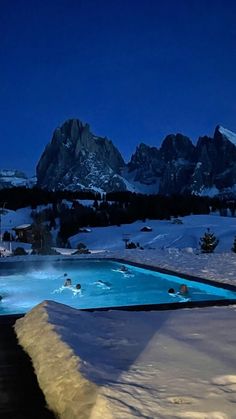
(103,284)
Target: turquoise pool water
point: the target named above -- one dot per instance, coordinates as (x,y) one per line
(24,285)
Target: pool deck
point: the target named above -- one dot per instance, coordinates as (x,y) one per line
(20,395)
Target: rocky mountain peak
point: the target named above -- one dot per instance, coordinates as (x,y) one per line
(143,153)
(77,159)
(176,147)
(74,154)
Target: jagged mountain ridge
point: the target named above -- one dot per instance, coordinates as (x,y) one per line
(77,159)
(207,168)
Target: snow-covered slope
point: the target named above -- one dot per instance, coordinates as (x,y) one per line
(230,135)
(11,219)
(164,234)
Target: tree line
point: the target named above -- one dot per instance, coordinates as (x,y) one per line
(107,209)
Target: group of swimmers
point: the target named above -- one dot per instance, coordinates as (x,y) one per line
(183,290)
(68,283)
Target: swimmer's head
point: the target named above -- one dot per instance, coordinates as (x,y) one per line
(68,282)
(171,291)
(183,289)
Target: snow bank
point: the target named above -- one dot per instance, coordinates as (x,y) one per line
(67,392)
(171,364)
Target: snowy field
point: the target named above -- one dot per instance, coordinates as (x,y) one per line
(172,364)
(164,234)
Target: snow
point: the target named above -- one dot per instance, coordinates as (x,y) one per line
(11,219)
(164,234)
(86,202)
(14,181)
(138,187)
(211,192)
(171,364)
(16,178)
(7,172)
(123,365)
(23,226)
(228,134)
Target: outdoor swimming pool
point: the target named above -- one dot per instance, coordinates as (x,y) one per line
(23,285)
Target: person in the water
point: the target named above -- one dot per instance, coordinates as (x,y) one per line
(78,286)
(171,291)
(182,294)
(103,284)
(123,268)
(183,290)
(68,282)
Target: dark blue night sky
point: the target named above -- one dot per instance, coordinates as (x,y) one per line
(134,70)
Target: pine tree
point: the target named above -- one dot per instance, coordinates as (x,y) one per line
(208,242)
(234,245)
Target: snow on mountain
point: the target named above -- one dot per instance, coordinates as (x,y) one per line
(211,192)
(230,135)
(12,178)
(133,185)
